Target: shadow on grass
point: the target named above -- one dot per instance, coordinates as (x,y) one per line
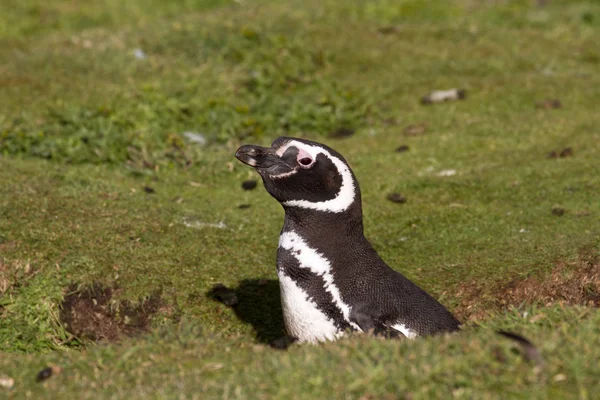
(256,302)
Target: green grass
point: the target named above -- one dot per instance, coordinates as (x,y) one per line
(85,126)
(204,364)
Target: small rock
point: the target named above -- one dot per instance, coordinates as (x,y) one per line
(416,129)
(447,172)
(558,211)
(402,148)
(441,96)
(549,104)
(249,184)
(396,198)
(6,382)
(149,190)
(559,378)
(44,374)
(224,295)
(196,138)
(139,54)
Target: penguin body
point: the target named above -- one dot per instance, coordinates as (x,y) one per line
(331,278)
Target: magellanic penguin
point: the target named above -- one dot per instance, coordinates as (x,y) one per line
(331,278)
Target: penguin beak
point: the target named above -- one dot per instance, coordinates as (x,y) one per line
(260,157)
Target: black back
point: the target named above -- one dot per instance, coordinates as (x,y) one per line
(379,296)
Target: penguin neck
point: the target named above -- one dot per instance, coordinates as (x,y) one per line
(325,224)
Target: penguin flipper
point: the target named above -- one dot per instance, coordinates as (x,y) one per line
(364,321)
(372,325)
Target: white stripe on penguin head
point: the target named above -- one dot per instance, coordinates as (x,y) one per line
(343,199)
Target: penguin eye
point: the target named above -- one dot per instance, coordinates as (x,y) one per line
(305,161)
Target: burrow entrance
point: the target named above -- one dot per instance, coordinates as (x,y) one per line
(92,313)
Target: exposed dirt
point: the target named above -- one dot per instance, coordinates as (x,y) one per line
(92,313)
(575,283)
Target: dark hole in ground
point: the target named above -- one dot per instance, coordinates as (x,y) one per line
(258,303)
(91,313)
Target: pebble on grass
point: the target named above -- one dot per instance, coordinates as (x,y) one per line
(442,96)
(396,198)
(447,172)
(249,184)
(139,54)
(195,137)
(6,382)
(44,374)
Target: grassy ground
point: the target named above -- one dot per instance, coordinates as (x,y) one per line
(113,223)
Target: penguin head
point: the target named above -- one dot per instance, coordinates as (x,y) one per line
(304,174)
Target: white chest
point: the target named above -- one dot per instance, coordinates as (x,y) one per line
(303,319)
